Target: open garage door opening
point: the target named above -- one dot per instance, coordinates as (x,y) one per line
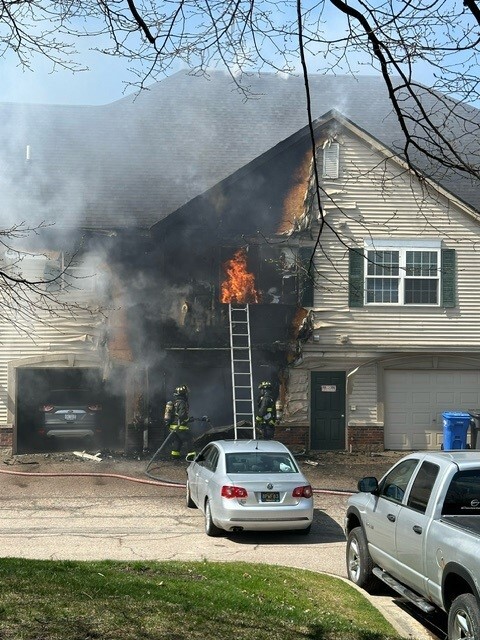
(66,409)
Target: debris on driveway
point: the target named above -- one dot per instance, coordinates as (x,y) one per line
(88,456)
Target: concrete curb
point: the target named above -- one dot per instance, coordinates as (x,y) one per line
(404,624)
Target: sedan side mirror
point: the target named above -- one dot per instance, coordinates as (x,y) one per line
(368,485)
(190,457)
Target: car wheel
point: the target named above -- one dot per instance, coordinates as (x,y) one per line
(359,563)
(210,528)
(464,618)
(190,503)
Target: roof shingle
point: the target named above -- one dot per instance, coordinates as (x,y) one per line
(136,160)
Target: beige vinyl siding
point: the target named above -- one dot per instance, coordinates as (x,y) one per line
(71,335)
(376,198)
(361,390)
(296,411)
(362,400)
(78,337)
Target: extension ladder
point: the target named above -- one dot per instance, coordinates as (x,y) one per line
(242,383)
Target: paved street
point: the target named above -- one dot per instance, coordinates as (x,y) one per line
(94,518)
(88,518)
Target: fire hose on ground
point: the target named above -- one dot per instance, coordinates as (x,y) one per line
(153,480)
(117,476)
(90,474)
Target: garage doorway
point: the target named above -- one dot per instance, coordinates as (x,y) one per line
(416,399)
(32,385)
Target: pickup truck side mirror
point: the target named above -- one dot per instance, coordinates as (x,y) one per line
(368,485)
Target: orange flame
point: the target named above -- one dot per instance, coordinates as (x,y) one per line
(239,286)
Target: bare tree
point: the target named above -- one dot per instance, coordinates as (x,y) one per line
(440,38)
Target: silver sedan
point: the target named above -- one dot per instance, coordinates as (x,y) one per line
(249,485)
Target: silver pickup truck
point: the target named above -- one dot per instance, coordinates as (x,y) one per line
(418,530)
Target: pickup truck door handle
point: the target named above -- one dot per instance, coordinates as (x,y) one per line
(417,529)
(391,517)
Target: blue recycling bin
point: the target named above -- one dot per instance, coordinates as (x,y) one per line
(455,427)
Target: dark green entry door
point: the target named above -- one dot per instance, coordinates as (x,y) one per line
(328,410)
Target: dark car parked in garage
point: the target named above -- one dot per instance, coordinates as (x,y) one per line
(70,414)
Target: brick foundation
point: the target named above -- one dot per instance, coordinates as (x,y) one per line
(365,438)
(360,438)
(6,436)
(292,436)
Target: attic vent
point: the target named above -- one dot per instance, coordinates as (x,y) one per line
(331,160)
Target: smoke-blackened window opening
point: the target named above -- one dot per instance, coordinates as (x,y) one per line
(54,270)
(20,264)
(269,273)
(198,306)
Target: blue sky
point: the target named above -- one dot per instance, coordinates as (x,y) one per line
(103,83)
(107,78)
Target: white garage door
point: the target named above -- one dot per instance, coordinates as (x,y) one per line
(415,401)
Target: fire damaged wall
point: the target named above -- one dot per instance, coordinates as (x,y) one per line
(177,312)
(178,329)
(168,321)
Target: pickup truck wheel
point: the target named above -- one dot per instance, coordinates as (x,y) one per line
(359,562)
(464,618)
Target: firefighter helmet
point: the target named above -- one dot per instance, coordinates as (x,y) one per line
(265,385)
(182,390)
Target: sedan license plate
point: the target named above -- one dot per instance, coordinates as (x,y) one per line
(70,417)
(270,496)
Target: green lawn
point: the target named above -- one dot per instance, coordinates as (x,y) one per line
(53,600)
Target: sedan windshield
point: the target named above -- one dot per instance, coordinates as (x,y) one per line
(257,462)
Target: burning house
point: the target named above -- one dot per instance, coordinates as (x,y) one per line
(228,246)
(335,346)
(166,230)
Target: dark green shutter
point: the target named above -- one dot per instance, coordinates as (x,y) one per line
(448,278)
(306,280)
(355,278)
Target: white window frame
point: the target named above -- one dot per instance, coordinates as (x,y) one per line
(401,247)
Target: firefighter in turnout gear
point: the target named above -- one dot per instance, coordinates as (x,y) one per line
(178,422)
(266,418)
